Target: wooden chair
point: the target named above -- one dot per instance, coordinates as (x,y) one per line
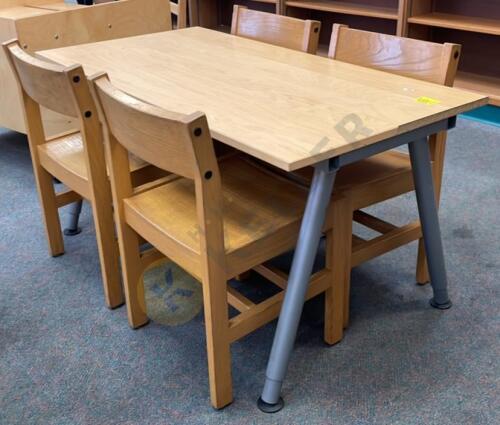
(216,220)
(274,29)
(75,158)
(389,174)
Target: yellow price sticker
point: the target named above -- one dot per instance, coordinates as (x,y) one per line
(428,100)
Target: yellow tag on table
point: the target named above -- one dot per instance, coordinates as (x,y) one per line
(428,100)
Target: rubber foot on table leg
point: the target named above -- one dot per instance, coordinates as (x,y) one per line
(72,232)
(270,408)
(440,306)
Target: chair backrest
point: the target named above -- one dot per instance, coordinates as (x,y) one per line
(423,60)
(60,89)
(48,84)
(116,19)
(284,31)
(179,9)
(162,138)
(177,143)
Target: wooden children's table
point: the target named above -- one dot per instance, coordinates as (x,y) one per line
(291,110)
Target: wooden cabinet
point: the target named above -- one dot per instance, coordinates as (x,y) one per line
(475,24)
(11,13)
(46,24)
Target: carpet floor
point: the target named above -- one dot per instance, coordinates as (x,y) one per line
(66,359)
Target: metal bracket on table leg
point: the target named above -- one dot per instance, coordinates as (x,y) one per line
(303,259)
(73,229)
(424,189)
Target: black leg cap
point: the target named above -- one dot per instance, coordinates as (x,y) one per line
(72,232)
(440,306)
(270,408)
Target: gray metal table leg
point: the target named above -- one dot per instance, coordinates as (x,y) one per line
(424,188)
(303,260)
(74,215)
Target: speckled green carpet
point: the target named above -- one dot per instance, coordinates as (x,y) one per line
(66,359)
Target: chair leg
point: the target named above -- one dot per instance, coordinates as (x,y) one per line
(50,211)
(133,283)
(422,271)
(334,299)
(218,345)
(339,249)
(108,249)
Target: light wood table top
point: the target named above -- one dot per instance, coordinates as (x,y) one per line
(287,108)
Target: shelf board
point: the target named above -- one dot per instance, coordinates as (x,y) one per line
(489,86)
(265,1)
(458,22)
(345,8)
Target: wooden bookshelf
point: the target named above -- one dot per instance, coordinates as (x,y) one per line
(463,23)
(473,24)
(368,9)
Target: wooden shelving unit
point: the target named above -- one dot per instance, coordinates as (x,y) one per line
(475,24)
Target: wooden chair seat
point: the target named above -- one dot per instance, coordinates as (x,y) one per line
(357,180)
(64,158)
(371,170)
(255,206)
